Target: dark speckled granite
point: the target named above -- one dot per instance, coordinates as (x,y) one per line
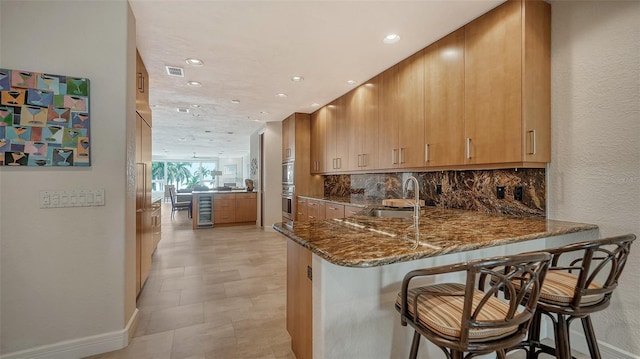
(363,241)
(470,190)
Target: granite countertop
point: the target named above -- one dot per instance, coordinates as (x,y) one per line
(354,200)
(364,241)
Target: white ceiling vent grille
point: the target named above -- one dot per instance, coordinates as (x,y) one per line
(175,71)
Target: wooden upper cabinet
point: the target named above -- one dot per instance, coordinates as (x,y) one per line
(142,84)
(444,101)
(362,121)
(318,140)
(401,110)
(507,84)
(411,111)
(336,137)
(289,138)
(388,120)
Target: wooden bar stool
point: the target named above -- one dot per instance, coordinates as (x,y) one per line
(580,281)
(459,318)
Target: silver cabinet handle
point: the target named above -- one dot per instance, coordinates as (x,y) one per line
(393,156)
(426,152)
(364,160)
(532,139)
(401,154)
(468,147)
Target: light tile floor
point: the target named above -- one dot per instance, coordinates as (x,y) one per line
(212,293)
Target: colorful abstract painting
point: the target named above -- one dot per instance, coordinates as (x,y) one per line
(44,120)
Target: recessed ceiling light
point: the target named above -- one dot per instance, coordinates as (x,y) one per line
(194,62)
(391,39)
(264,112)
(182,110)
(282,95)
(351,82)
(194,83)
(256,120)
(195,105)
(297,78)
(235,101)
(315,104)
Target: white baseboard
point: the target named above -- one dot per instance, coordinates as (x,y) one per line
(579,343)
(81,347)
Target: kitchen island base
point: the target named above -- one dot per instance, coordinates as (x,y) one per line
(353,308)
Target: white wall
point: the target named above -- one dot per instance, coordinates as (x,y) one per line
(63,271)
(594,175)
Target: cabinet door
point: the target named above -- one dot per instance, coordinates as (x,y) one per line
(362,124)
(410,111)
(301,210)
(142,83)
(315,210)
(388,125)
(288,138)
(333,210)
(224,208)
(444,101)
(246,207)
(299,300)
(493,85)
(318,140)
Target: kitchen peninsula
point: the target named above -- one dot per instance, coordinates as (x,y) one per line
(358,264)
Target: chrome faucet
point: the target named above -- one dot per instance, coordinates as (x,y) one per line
(416,189)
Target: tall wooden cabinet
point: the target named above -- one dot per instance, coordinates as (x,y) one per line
(299,300)
(145,240)
(401,101)
(361,108)
(444,101)
(507,84)
(318,140)
(336,140)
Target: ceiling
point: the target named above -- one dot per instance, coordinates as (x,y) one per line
(251,49)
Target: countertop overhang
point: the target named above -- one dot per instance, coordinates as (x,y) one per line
(363,241)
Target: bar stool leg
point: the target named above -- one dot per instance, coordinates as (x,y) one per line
(563,350)
(591,337)
(533,337)
(414,345)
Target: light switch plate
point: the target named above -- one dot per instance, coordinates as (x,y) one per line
(72,198)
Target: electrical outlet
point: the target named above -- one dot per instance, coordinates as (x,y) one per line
(438,189)
(518,193)
(500,192)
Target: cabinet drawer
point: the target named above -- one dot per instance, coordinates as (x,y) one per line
(350,211)
(227,196)
(246,195)
(333,210)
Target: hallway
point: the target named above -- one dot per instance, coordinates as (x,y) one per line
(212,293)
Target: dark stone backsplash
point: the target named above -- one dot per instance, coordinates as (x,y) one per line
(470,190)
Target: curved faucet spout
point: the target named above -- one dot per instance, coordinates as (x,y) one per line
(416,190)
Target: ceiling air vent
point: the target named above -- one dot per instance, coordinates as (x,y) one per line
(175,71)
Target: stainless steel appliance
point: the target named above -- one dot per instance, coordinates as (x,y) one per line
(287,202)
(287,173)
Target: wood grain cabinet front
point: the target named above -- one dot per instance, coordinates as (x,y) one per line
(224,208)
(507,84)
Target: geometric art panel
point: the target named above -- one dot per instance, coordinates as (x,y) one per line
(44,120)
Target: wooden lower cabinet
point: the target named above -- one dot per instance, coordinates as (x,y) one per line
(315,210)
(156,222)
(333,210)
(299,300)
(350,211)
(246,207)
(235,208)
(301,210)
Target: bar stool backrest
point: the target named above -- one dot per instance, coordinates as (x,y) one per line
(597,265)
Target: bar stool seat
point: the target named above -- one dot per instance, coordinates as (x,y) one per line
(459,318)
(580,281)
